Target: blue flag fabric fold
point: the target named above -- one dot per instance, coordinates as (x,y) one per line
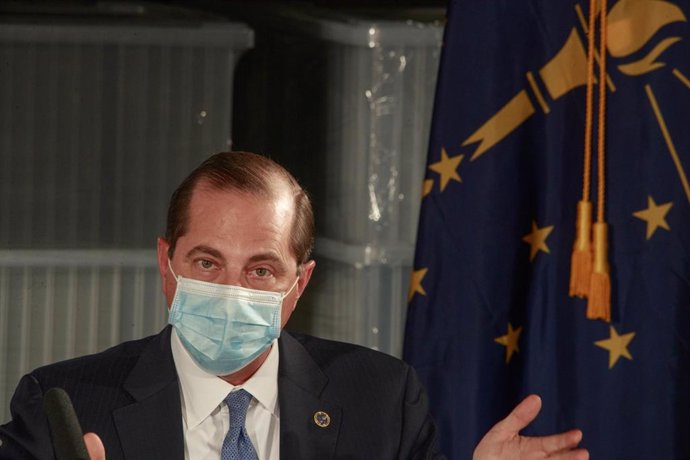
(490,319)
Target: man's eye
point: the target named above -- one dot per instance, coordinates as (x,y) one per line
(206,264)
(261,272)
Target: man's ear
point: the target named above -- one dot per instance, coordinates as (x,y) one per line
(304,276)
(162,248)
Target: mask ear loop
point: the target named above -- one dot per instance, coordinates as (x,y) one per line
(287,293)
(172,271)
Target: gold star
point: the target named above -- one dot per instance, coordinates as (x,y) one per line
(617,345)
(654,215)
(537,240)
(447,168)
(428,185)
(510,341)
(416,283)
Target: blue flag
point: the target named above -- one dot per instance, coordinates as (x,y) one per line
(490,317)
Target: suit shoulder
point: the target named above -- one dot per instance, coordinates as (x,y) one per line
(329,353)
(108,366)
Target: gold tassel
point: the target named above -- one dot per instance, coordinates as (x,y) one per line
(599,304)
(581,259)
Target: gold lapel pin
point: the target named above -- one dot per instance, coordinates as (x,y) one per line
(322,419)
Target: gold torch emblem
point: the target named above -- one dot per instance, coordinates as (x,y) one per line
(632,23)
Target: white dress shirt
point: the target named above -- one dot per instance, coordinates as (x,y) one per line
(205,418)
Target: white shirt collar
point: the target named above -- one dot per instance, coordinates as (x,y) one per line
(203,392)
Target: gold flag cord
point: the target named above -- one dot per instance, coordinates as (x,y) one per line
(589,273)
(599,300)
(581,259)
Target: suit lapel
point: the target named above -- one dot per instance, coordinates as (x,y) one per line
(309,424)
(151,427)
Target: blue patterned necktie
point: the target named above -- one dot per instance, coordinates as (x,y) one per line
(237,445)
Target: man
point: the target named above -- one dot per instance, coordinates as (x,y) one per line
(218,382)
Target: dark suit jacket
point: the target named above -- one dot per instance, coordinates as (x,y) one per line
(129,396)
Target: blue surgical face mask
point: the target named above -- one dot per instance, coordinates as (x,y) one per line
(224,327)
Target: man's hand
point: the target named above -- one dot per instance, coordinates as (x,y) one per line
(94,446)
(504,442)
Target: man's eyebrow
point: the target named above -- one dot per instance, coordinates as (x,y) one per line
(202,249)
(266,256)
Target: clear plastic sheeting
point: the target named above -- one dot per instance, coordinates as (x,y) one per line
(101,117)
(56,305)
(344,100)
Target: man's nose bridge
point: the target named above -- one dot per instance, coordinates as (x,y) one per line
(233,276)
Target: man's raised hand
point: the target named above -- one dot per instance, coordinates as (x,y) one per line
(504,442)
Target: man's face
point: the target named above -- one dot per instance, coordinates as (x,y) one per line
(238,239)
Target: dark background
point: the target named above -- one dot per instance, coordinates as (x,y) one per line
(72,6)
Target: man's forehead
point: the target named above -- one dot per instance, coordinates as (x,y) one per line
(270,215)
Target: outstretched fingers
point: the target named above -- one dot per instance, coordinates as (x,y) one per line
(562,446)
(560,441)
(521,416)
(504,442)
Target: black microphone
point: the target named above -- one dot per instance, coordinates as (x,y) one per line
(68,439)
